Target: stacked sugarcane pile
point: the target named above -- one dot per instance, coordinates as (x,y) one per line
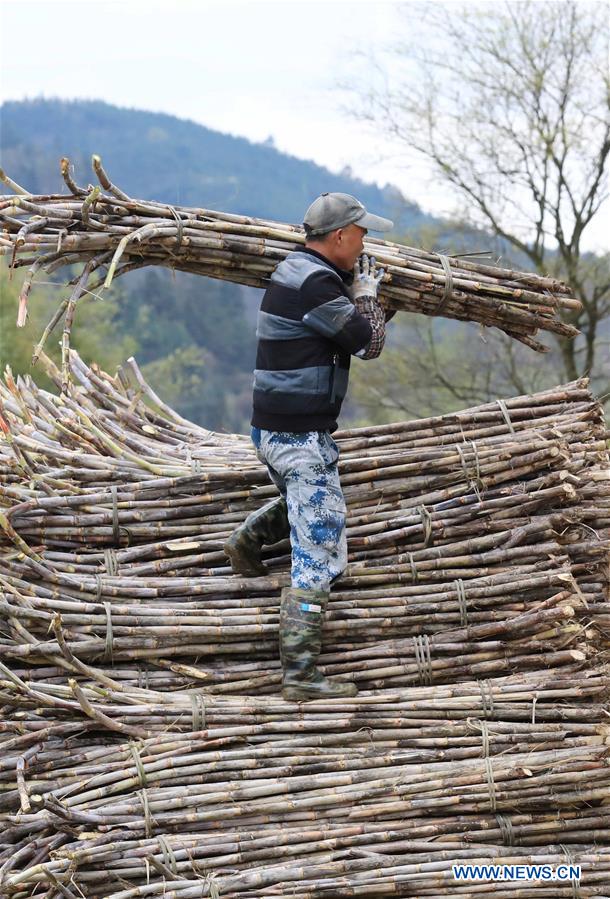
(145,749)
(320,809)
(111,233)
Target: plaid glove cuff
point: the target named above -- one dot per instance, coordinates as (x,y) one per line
(371,310)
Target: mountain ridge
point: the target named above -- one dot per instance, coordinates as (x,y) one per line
(155,155)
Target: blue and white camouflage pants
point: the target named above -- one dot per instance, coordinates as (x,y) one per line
(304,468)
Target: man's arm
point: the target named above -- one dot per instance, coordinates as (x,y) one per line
(364,293)
(333,315)
(377,317)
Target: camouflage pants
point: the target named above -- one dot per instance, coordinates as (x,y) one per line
(304,468)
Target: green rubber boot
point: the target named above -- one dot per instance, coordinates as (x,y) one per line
(301,614)
(264,526)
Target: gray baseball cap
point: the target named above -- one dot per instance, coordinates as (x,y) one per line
(331,211)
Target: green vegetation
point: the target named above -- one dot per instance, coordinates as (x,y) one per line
(96,333)
(189,335)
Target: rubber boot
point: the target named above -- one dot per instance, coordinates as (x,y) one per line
(301,614)
(266,525)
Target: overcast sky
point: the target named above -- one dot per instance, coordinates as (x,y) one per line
(256,69)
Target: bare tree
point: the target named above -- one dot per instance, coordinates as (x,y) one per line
(509,104)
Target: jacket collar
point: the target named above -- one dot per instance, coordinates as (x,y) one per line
(346,277)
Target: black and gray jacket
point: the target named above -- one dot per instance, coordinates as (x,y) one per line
(308,327)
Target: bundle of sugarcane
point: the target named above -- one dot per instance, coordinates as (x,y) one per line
(92,441)
(548,634)
(238,617)
(143,511)
(551,707)
(112,233)
(411,868)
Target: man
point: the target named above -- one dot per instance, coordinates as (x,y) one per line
(315,314)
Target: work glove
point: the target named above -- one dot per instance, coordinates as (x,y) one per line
(366,278)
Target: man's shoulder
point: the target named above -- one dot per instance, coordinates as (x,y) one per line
(300,269)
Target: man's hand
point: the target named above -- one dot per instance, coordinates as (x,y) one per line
(366,278)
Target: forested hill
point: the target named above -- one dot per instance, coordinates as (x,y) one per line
(160,157)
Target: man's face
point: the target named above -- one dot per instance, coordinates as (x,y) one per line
(350,244)
(342,246)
